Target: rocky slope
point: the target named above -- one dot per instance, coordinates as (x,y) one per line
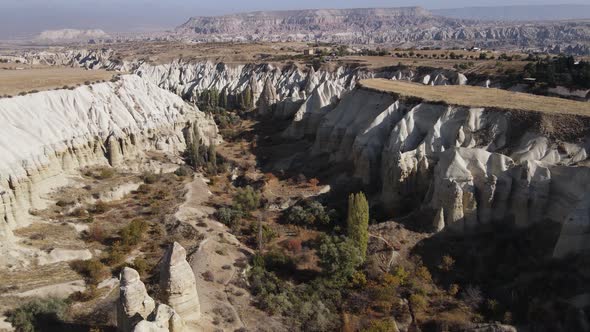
(48,134)
(466,166)
(384,25)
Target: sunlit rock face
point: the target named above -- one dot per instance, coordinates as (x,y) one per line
(178,283)
(469,166)
(47,134)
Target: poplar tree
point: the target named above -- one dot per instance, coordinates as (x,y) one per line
(248,98)
(358,221)
(194,146)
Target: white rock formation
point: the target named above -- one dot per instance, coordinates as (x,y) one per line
(469,166)
(47,134)
(162,319)
(134,303)
(178,283)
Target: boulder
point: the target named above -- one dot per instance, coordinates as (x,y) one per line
(134,303)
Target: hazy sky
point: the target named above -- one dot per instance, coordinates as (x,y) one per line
(25,17)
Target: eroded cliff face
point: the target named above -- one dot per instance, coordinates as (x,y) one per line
(468,166)
(287,92)
(48,134)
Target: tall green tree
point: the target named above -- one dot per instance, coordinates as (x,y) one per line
(248,97)
(212,159)
(194,145)
(358,221)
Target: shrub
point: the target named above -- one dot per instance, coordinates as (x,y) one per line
(228,216)
(339,258)
(472,296)
(309,213)
(133,233)
(102,173)
(293,245)
(246,199)
(92,270)
(183,171)
(96,233)
(278,261)
(418,302)
(141,265)
(150,178)
(37,315)
(99,207)
(423,274)
(401,275)
(447,263)
(385,325)
(116,254)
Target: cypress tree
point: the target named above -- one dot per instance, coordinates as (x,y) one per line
(248,97)
(212,158)
(194,146)
(358,221)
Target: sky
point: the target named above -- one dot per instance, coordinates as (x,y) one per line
(22,18)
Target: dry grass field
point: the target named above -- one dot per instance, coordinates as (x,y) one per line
(480,97)
(13,82)
(479,66)
(230,53)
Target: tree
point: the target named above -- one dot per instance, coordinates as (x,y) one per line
(212,159)
(358,221)
(38,314)
(194,144)
(247,98)
(223,99)
(246,199)
(339,258)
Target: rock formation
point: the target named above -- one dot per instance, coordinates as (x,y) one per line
(178,283)
(387,26)
(469,166)
(134,303)
(47,134)
(162,319)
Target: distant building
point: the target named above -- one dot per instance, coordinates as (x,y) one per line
(309,51)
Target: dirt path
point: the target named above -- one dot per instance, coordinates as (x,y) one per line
(219,265)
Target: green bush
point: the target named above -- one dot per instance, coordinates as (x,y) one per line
(386,325)
(228,216)
(183,171)
(37,314)
(246,199)
(92,270)
(339,259)
(133,233)
(116,254)
(309,213)
(150,178)
(418,302)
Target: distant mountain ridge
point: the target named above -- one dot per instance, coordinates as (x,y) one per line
(519,13)
(405,27)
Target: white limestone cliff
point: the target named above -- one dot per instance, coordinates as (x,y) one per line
(469,166)
(48,134)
